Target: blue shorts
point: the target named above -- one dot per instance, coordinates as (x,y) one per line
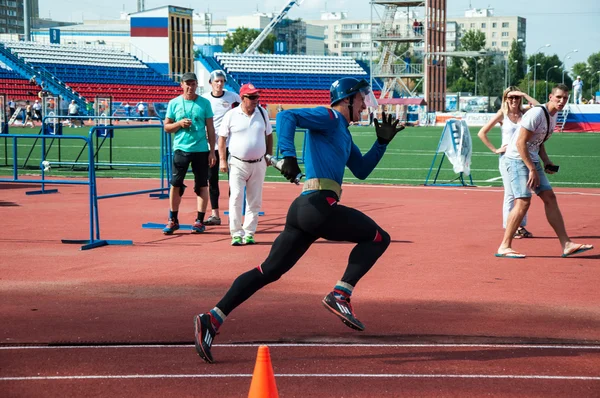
(518,174)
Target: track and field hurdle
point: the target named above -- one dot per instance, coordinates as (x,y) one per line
(94,224)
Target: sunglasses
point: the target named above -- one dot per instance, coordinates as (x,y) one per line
(252,97)
(513,97)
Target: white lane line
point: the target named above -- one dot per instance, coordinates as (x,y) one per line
(300,345)
(494,179)
(308,375)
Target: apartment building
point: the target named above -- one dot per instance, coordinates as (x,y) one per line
(499,31)
(11,15)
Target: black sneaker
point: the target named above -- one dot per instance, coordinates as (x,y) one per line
(203,336)
(343,309)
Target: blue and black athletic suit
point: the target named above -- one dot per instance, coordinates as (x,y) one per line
(317,214)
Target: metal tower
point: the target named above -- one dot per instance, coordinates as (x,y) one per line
(397,70)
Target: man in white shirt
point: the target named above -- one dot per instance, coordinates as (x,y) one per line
(37,110)
(577,90)
(140,109)
(250,137)
(522,163)
(221,101)
(73,112)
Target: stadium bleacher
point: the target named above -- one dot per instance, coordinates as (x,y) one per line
(290,79)
(15,87)
(93,71)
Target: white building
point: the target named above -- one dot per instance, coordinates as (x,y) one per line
(499,31)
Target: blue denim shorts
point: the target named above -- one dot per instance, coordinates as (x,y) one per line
(518,174)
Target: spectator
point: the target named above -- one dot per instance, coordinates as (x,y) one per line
(526,174)
(190,119)
(28,115)
(577,90)
(250,137)
(420,28)
(141,108)
(509,116)
(221,102)
(127,109)
(73,113)
(415,27)
(591,101)
(64,105)
(11,107)
(37,110)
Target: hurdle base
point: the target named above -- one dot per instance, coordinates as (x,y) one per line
(42,192)
(97,243)
(159,195)
(153,225)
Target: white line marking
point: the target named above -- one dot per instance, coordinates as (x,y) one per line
(300,345)
(311,375)
(494,179)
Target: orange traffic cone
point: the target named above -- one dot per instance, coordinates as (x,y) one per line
(263,380)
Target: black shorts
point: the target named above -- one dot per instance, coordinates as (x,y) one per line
(181,163)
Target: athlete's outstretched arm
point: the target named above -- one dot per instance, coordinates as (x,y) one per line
(319,119)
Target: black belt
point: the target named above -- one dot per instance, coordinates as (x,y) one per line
(249,161)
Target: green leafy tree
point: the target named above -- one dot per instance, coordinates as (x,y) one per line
(473,40)
(240,40)
(552,65)
(594,67)
(517,69)
(460,75)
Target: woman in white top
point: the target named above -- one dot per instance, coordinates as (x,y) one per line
(508,116)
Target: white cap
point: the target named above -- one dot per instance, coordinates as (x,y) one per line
(579,77)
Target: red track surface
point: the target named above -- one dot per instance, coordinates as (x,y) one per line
(437,283)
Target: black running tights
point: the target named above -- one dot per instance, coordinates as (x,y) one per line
(313,216)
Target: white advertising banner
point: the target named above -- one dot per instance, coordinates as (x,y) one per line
(478,119)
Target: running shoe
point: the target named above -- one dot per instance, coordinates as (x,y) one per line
(204,333)
(171,227)
(236,241)
(249,240)
(198,227)
(343,310)
(212,220)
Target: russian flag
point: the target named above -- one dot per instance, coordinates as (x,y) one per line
(149,27)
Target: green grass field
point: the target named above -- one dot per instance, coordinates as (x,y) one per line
(407,160)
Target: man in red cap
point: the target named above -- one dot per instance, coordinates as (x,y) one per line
(249,133)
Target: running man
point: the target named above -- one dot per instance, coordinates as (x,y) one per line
(317,213)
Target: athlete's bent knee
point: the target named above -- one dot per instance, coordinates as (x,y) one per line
(269,275)
(383,238)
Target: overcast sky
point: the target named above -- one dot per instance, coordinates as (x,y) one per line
(565,25)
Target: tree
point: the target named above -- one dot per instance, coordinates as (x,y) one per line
(517,69)
(473,40)
(240,40)
(594,66)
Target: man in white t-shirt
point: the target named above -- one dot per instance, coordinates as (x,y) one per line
(221,102)
(140,109)
(250,137)
(522,163)
(577,90)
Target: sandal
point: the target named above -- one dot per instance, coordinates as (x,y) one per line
(522,233)
(212,220)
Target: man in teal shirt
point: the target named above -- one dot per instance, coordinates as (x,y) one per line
(190,118)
